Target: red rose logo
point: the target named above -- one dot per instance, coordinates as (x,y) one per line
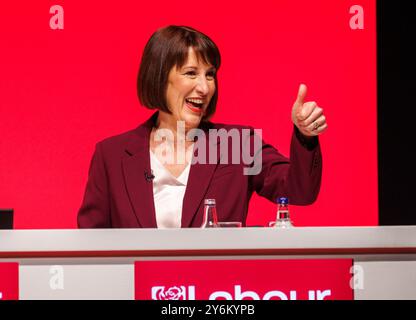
(173,293)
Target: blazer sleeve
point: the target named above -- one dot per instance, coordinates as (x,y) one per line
(298,178)
(95,208)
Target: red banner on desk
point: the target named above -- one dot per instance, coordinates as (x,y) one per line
(243,280)
(9,281)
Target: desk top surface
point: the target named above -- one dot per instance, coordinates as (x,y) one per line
(128,242)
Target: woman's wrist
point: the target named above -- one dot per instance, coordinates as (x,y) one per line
(308,142)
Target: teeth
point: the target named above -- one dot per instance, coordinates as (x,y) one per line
(199,101)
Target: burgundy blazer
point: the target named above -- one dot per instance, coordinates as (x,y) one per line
(118,195)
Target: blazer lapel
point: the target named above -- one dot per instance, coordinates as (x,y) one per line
(135,166)
(140,191)
(198,182)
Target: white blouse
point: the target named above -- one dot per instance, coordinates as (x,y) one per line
(168,193)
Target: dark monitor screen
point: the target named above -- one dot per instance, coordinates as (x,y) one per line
(6,218)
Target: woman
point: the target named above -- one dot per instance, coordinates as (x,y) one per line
(147,177)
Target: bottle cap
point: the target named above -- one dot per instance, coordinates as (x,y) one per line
(283,200)
(210,201)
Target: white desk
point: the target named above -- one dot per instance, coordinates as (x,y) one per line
(98,264)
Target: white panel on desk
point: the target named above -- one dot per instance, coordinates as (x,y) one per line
(387,280)
(95,282)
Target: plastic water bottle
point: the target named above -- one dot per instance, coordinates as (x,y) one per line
(210,214)
(283,215)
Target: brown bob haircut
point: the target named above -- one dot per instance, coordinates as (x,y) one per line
(168,47)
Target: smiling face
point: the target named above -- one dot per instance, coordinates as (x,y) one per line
(189,91)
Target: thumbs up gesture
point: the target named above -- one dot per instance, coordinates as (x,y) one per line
(307,116)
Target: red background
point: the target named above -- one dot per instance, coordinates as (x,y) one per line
(61,91)
(9,281)
(280,275)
